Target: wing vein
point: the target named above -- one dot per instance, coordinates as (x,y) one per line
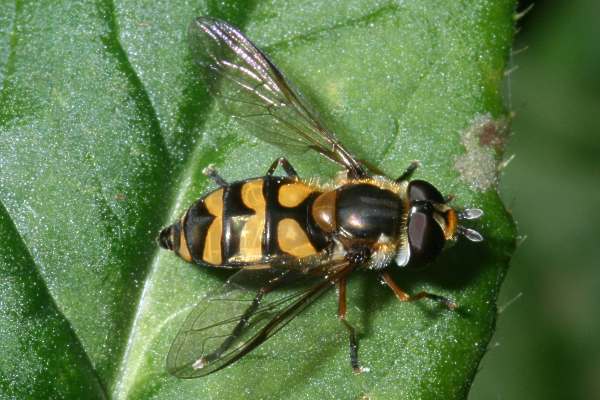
(246,81)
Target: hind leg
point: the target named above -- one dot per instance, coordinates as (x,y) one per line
(212,173)
(285,164)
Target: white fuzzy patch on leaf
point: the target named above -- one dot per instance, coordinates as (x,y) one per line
(484,140)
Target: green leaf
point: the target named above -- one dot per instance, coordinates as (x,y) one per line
(105,126)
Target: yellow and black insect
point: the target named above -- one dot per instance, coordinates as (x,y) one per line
(279,230)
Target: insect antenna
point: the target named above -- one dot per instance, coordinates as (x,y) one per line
(470,214)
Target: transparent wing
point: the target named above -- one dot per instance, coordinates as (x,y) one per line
(240,316)
(252,89)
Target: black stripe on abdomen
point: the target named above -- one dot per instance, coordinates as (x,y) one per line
(196,223)
(234,210)
(275,213)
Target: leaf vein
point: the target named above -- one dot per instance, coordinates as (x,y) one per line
(140,94)
(314,34)
(53,304)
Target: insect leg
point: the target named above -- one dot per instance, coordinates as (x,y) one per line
(408,172)
(342,316)
(285,164)
(212,173)
(403,296)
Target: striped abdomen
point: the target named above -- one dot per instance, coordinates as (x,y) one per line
(255,221)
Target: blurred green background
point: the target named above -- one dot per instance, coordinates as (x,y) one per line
(547,345)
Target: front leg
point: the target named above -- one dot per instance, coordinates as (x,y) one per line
(408,172)
(403,296)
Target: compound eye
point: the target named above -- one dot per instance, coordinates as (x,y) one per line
(424,191)
(425,236)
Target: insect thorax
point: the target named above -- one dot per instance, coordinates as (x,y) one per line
(364,214)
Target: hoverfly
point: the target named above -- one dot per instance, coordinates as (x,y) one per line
(278,230)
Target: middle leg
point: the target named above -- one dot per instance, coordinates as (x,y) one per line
(351,331)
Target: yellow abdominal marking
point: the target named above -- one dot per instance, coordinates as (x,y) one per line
(293,240)
(252,232)
(184,251)
(212,243)
(292,194)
